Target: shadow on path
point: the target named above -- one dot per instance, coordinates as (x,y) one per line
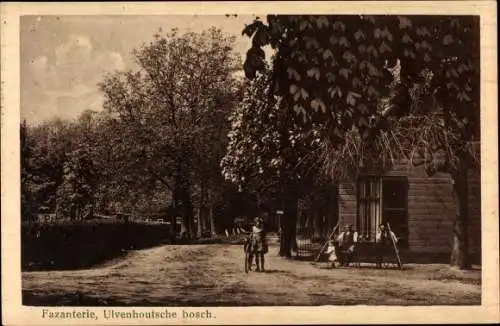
(274,271)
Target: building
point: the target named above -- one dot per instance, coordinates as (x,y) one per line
(420,209)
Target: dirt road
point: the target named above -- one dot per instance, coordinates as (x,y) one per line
(212,275)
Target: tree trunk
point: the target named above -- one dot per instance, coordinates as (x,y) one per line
(184,229)
(182,196)
(178,205)
(333,207)
(203,207)
(459,254)
(198,222)
(203,219)
(77,212)
(173,224)
(184,207)
(91,211)
(213,232)
(317,222)
(288,223)
(187,212)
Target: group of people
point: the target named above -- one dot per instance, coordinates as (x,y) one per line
(256,245)
(342,249)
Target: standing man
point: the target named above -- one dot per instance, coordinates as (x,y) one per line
(384,242)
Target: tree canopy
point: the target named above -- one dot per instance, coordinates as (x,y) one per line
(171,112)
(336,69)
(360,76)
(266,145)
(269,154)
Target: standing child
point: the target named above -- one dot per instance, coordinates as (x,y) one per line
(330,251)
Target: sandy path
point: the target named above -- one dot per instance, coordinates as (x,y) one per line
(212,275)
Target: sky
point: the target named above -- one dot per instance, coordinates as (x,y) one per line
(64,57)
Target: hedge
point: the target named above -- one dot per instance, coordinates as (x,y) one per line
(71,245)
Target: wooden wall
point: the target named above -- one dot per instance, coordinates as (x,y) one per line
(475,212)
(347,204)
(431,209)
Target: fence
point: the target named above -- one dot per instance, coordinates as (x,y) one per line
(308,243)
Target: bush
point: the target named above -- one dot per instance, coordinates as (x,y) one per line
(79,244)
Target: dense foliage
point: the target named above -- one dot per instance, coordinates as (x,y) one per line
(171,112)
(181,133)
(157,145)
(340,64)
(268,153)
(359,75)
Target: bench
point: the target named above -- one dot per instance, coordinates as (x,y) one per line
(368,252)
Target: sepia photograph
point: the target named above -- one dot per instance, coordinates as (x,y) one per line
(250,160)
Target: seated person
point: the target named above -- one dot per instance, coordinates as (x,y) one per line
(384,243)
(346,245)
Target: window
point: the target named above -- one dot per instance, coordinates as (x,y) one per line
(383,200)
(368,206)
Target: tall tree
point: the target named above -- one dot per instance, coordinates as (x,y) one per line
(164,108)
(336,70)
(43,153)
(28,209)
(267,153)
(75,195)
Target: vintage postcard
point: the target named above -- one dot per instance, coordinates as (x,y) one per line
(249,163)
